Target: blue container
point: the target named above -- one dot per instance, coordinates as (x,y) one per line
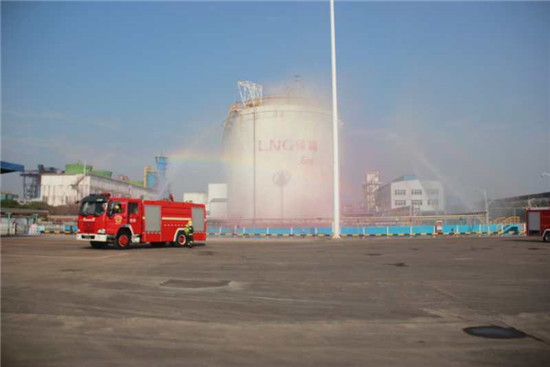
(151,179)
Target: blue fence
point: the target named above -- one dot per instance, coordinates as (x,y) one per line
(357,231)
(368,231)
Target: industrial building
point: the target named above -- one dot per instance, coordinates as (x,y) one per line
(80,180)
(408,193)
(67,188)
(196,197)
(215,200)
(279,149)
(515,206)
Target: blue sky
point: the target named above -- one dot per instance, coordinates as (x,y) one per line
(454,91)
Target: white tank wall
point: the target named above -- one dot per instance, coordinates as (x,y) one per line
(217,191)
(289,137)
(218,210)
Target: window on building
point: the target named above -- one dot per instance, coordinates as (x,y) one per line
(400,192)
(416,192)
(433,192)
(434,202)
(416,202)
(400,202)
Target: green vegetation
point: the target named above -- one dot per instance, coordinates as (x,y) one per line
(9,203)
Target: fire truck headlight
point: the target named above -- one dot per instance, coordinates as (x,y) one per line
(101,231)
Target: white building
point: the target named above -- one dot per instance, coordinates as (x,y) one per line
(65,189)
(196,197)
(419,196)
(217,201)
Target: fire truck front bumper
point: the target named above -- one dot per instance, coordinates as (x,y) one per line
(94,237)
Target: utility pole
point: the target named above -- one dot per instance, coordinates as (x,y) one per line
(335,155)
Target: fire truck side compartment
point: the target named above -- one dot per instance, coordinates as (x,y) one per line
(534,222)
(152,218)
(198,219)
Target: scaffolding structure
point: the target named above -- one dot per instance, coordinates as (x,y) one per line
(251,93)
(32,181)
(370,186)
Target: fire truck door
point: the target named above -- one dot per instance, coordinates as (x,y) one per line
(117,214)
(134,217)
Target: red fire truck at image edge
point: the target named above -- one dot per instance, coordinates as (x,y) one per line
(105,220)
(538,223)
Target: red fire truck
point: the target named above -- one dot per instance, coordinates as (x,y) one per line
(538,223)
(105,220)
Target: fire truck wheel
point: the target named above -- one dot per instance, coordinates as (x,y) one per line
(97,245)
(181,239)
(123,239)
(546,237)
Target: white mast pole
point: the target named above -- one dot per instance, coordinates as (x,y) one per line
(335,155)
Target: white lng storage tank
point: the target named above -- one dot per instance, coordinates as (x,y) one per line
(279,152)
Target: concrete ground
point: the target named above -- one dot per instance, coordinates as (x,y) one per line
(282,302)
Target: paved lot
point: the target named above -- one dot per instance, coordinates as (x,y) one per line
(374,302)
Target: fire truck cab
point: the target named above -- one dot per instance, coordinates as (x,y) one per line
(105,220)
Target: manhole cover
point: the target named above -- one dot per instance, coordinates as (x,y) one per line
(495,332)
(194,284)
(399,265)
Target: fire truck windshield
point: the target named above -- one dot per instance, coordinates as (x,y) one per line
(95,208)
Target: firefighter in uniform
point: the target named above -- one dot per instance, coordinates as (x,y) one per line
(189,231)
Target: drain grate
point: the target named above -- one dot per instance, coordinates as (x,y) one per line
(495,332)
